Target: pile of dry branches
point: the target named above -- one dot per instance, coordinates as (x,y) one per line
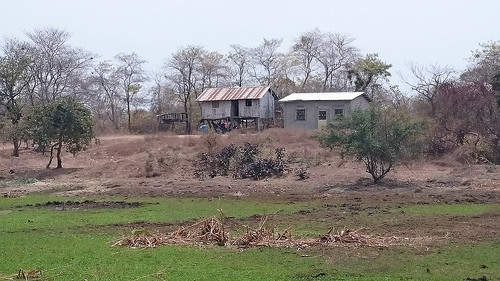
(344,236)
(205,232)
(262,237)
(211,231)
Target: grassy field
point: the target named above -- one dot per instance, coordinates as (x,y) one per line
(68,243)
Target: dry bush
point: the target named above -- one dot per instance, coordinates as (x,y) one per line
(472,153)
(170,151)
(302,173)
(242,161)
(462,155)
(301,150)
(211,141)
(168,162)
(151,165)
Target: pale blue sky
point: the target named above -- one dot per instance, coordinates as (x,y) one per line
(424,32)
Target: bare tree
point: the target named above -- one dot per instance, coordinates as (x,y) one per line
(131,75)
(163,98)
(156,91)
(428,81)
(393,97)
(57,67)
(305,49)
(266,61)
(336,53)
(285,77)
(182,74)
(212,70)
(238,60)
(109,91)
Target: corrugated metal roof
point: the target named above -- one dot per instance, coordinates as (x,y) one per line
(234,93)
(340,96)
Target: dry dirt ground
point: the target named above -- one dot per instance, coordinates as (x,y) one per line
(117,166)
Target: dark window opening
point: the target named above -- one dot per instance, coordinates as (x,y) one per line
(339,113)
(301,115)
(322,115)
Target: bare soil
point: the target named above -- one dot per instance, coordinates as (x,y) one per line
(162,165)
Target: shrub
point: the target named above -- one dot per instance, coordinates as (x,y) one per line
(149,166)
(149,163)
(379,138)
(248,152)
(211,140)
(262,167)
(302,173)
(242,161)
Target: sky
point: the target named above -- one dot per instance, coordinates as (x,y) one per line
(402,32)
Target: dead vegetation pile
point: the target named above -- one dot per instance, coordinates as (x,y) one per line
(211,232)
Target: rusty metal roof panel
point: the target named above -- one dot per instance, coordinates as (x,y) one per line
(234,93)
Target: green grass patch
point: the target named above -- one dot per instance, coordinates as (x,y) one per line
(452,209)
(88,255)
(64,255)
(18,214)
(449,262)
(75,244)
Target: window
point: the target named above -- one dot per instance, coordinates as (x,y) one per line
(300,115)
(338,113)
(322,115)
(248,102)
(215,104)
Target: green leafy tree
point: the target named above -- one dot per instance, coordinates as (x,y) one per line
(64,123)
(379,138)
(367,71)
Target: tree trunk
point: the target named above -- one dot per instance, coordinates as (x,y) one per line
(51,155)
(59,161)
(187,108)
(113,117)
(128,113)
(17,143)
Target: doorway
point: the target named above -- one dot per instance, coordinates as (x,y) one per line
(235,109)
